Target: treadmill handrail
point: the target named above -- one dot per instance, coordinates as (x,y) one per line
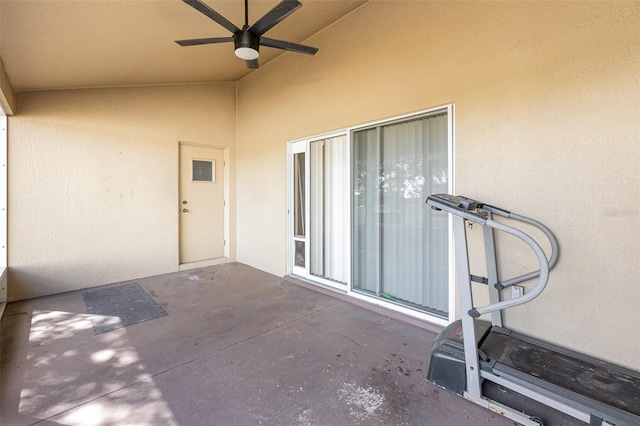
(472,210)
(553,259)
(543,273)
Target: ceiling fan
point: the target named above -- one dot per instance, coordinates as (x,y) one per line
(248,40)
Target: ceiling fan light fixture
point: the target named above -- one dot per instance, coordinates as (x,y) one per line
(247,45)
(247,53)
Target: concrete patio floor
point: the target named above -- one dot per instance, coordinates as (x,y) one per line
(238,347)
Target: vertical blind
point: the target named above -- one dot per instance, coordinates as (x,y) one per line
(329,220)
(400,246)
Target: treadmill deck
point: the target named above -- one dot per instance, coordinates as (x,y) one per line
(595,379)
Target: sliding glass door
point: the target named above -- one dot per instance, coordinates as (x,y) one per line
(358,221)
(400,248)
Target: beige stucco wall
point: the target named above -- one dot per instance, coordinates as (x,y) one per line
(547,124)
(93,189)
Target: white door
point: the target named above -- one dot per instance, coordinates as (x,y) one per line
(201,203)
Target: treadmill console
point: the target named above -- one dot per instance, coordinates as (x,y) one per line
(458,205)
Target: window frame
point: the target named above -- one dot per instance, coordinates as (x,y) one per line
(3,211)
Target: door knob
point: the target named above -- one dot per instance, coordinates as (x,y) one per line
(185,210)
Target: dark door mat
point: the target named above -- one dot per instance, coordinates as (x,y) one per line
(120,306)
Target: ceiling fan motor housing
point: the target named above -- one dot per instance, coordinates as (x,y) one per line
(246,40)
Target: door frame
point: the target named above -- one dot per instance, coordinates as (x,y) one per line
(292,149)
(228,244)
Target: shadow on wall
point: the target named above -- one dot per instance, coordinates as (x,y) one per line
(29,282)
(35,281)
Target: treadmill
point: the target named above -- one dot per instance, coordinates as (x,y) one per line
(471,352)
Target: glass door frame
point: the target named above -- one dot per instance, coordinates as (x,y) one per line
(293,148)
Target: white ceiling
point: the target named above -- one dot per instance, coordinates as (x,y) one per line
(54,44)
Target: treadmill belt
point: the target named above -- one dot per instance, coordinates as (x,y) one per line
(591,379)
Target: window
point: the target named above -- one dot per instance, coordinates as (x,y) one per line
(299,193)
(203,170)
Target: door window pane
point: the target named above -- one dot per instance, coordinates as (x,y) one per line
(202,170)
(298,194)
(299,260)
(400,246)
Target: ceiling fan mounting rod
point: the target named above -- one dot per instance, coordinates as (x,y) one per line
(246,14)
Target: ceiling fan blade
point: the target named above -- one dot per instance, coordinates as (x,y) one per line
(285,45)
(253,65)
(275,15)
(206,10)
(198,41)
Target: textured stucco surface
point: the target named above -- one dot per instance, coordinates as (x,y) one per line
(546,122)
(93,183)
